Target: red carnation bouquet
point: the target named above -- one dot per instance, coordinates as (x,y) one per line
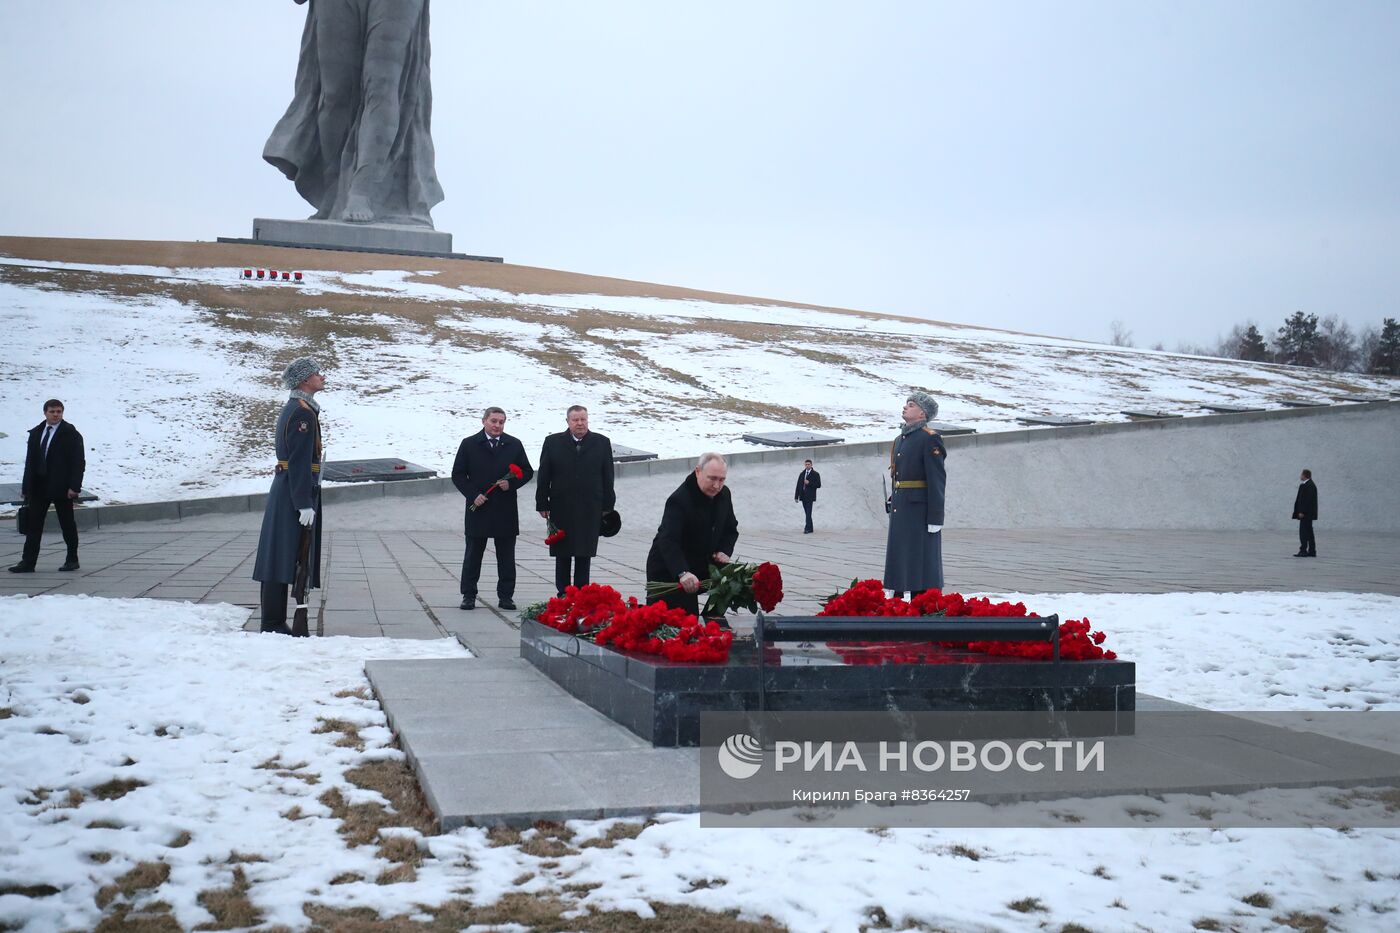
(599,613)
(553,534)
(1078,641)
(514,473)
(742,586)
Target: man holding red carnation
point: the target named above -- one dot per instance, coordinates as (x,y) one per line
(490,467)
(698,528)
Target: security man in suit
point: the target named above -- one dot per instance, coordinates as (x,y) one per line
(294,502)
(53,474)
(1305,512)
(483,462)
(573,489)
(808,482)
(918,458)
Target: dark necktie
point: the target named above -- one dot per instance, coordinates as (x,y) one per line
(495,442)
(48,436)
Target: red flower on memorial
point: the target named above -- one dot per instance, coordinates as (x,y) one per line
(513,473)
(867,598)
(599,613)
(768,586)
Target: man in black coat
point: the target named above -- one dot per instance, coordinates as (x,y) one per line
(574,489)
(53,475)
(482,473)
(808,482)
(698,529)
(1305,511)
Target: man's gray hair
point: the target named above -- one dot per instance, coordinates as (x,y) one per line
(493,410)
(709,455)
(926,402)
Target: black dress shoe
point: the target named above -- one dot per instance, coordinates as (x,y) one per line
(1301,554)
(506,603)
(468,602)
(22,568)
(70,564)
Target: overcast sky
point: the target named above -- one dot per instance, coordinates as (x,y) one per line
(1042,166)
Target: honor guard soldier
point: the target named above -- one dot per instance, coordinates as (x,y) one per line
(294,502)
(914,549)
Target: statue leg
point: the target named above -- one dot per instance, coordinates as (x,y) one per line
(340,40)
(391,27)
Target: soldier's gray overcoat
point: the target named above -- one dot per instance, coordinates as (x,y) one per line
(913,557)
(296,486)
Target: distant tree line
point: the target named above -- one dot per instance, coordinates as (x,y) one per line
(1303,340)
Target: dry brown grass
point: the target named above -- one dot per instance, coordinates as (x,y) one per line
(6,712)
(350,733)
(149,918)
(116,788)
(543,913)
(359,693)
(1307,923)
(395,781)
(230,906)
(615,834)
(143,877)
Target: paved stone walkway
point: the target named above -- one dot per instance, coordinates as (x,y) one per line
(396,572)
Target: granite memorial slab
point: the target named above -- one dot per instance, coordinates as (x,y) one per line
(624,454)
(1231,409)
(791,439)
(661,701)
(1054,421)
(383,470)
(1150,415)
(10,494)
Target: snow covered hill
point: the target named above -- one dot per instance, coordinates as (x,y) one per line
(168,361)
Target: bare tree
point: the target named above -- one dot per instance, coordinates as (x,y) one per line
(1336,345)
(1119,335)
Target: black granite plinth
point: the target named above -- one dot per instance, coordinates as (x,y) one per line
(10,495)
(383,470)
(1231,409)
(624,454)
(1144,415)
(790,439)
(661,700)
(1054,421)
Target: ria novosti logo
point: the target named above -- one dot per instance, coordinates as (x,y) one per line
(741,756)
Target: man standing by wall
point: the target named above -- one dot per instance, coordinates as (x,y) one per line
(53,474)
(575,488)
(1305,512)
(482,472)
(294,502)
(808,482)
(914,549)
(698,529)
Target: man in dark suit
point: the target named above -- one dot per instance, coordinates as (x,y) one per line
(53,475)
(482,473)
(698,529)
(575,488)
(808,482)
(1305,511)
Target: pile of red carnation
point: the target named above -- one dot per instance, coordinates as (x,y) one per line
(867,598)
(599,613)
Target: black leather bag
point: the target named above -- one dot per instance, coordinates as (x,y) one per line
(22,520)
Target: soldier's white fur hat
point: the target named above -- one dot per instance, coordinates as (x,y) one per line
(926,402)
(299,370)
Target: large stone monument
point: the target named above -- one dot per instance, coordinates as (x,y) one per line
(357,138)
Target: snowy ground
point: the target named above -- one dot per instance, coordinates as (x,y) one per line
(171,374)
(147,733)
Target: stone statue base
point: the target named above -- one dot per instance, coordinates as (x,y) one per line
(364,238)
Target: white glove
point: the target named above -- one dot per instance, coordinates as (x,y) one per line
(934,529)
(307,517)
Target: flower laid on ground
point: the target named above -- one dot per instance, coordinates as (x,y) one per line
(552,533)
(734,585)
(599,613)
(867,598)
(514,473)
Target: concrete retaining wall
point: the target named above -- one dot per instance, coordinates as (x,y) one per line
(1215,472)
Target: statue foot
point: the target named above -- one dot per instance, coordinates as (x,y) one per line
(322,214)
(357,210)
